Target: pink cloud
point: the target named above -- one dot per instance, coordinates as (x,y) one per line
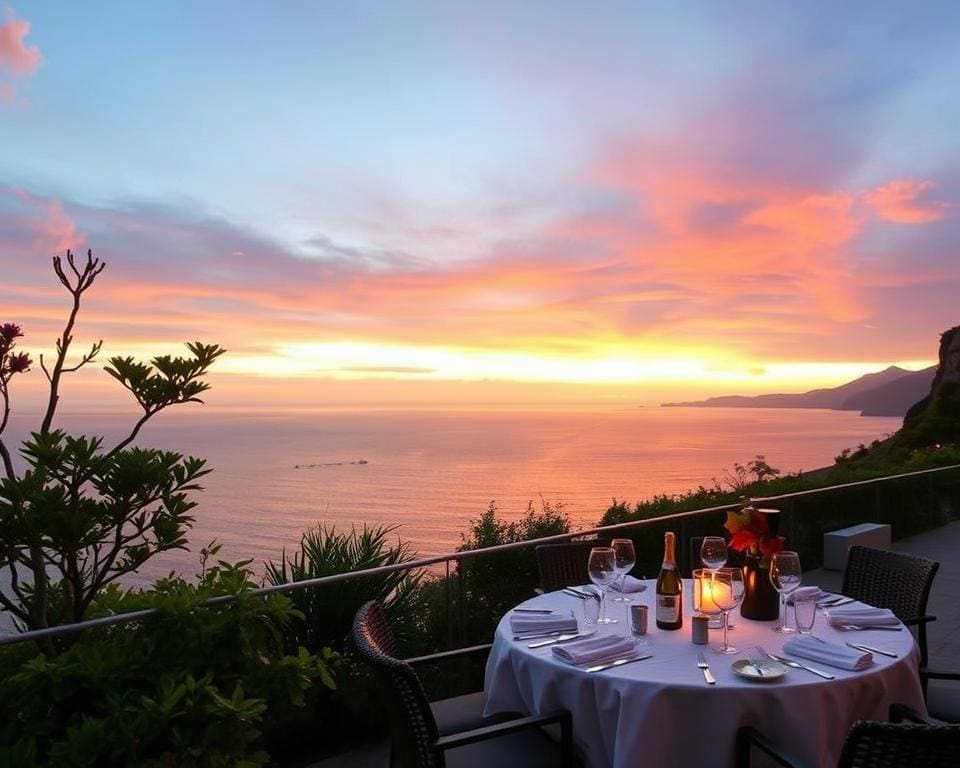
(898,201)
(15,55)
(34,225)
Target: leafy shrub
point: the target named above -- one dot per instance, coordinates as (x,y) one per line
(190,686)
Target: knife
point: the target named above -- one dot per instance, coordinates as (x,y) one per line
(798,665)
(559,639)
(870,649)
(580,592)
(535,635)
(575,593)
(532,610)
(618,663)
(833,602)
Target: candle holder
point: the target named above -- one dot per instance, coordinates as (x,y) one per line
(703,603)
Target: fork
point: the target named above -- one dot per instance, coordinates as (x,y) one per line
(707,674)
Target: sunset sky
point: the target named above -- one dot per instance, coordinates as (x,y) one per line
(450,202)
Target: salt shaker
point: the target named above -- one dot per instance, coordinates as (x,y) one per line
(701,630)
(638,619)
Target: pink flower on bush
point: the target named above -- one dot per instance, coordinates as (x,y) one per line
(9,331)
(19,363)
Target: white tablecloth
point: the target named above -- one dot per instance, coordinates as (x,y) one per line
(660,712)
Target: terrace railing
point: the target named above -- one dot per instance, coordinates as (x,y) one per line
(911,502)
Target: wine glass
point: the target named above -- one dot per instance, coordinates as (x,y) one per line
(602,568)
(713,555)
(713,552)
(785,575)
(728,593)
(625,558)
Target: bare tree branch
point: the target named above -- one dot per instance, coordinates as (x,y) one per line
(84,279)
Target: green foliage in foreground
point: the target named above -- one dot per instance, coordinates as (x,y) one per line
(192,686)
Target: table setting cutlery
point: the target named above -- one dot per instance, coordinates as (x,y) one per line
(532,610)
(834,601)
(705,668)
(871,649)
(561,639)
(795,664)
(858,628)
(581,592)
(618,662)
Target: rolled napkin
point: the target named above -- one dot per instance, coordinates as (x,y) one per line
(807,593)
(526,623)
(831,654)
(630,584)
(862,617)
(595,649)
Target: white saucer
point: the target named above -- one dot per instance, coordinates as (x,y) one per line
(772,670)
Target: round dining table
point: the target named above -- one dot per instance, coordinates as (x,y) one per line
(661,712)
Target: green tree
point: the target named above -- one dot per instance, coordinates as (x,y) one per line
(83,515)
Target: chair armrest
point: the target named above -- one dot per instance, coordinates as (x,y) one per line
(456,652)
(900,712)
(502,729)
(748,736)
(919,620)
(934,674)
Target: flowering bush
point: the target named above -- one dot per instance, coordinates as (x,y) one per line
(750,533)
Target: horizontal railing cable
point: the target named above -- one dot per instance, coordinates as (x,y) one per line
(104,621)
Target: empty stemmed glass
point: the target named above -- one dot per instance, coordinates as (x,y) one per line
(713,555)
(602,569)
(785,575)
(713,552)
(625,558)
(727,594)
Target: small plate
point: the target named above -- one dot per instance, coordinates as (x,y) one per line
(772,670)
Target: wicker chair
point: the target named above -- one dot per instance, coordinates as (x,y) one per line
(893,580)
(920,742)
(563,565)
(450,732)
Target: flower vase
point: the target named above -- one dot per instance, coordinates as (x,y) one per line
(761,601)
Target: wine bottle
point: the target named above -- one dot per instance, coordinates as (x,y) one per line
(669,588)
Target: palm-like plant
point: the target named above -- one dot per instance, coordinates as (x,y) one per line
(328,610)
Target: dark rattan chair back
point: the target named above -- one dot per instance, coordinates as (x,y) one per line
(893,580)
(565,565)
(413,729)
(888,745)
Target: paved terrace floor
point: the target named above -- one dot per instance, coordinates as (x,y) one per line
(943,635)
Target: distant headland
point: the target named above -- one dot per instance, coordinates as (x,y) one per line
(889,392)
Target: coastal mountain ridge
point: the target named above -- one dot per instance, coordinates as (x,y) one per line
(889,392)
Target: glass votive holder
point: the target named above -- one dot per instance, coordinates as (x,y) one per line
(703,603)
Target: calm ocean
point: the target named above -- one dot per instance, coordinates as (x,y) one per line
(430,472)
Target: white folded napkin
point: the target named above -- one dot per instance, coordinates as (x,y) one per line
(807,593)
(630,584)
(831,654)
(522,623)
(595,649)
(862,617)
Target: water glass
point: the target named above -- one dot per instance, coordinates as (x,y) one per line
(591,607)
(785,575)
(805,611)
(625,557)
(602,569)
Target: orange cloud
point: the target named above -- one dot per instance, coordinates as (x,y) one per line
(897,201)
